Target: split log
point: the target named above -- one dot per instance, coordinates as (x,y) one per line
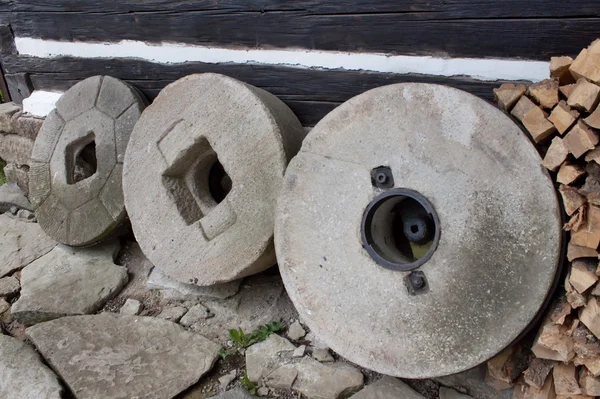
(594,119)
(576,299)
(580,139)
(537,373)
(593,366)
(563,117)
(586,65)
(560,311)
(523,106)
(538,126)
(566,90)
(572,200)
(593,155)
(589,384)
(565,380)
(577,220)
(569,172)
(582,275)
(557,154)
(585,343)
(545,92)
(590,316)
(504,368)
(584,95)
(585,238)
(507,95)
(552,343)
(547,391)
(559,69)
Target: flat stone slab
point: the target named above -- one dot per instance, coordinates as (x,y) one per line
(68,281)
(12,196)
(387,388)
(15,149)
(9,286)
(20,244)
(173,289)
(77,160)
(497,211)
(119,357)
(22,373)
(201,176)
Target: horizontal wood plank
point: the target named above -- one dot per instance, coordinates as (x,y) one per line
(310,93)
(533,29)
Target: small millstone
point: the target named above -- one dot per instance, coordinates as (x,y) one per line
(132,307)
(227,379)
(299,351)
(195,314)
(9,286)
(322,355)
(295,332)
(173,314)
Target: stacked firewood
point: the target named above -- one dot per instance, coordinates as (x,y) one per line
(563,118)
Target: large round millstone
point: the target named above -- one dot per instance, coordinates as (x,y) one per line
(77,160)
(202,173)
(416,232)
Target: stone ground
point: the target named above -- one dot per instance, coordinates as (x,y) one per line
(102,322)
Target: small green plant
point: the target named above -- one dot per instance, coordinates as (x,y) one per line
(243,340)
(2,176)
(247,384)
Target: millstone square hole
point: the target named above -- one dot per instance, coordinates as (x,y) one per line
(197,181)
(81,159)
(400,229)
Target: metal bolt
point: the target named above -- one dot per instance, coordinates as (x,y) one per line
(381,178)
(417,281)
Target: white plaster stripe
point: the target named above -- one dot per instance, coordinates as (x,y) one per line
(169,53)
(40,102)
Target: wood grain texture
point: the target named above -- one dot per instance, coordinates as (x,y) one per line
(309,93)
(480,28)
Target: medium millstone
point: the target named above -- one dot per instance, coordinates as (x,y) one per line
(120,357)
(201,176)
(498,234)
(77,160)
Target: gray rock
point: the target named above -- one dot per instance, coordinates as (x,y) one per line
(4,306)
(22,373)
(387,388)
(262,391)
(20,244)
(264,357)
(295,331)
(173,314)
(447,393)
(320,381)
(225,380)
(11,195)
(236,393)
(173,289)
(195,314)
(123,356)
(19,175)
(191,233)
(15,149)
(497,209)
(68,281)
(473,382)
(26,215)
(9,286)
(322,355)
(26,125)
(73,211)
(7,110)
(299,351)
(281,378)
(131,307)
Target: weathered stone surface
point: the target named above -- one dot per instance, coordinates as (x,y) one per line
(173,314)
(281,378)
(173,289)
(7,110)
(473,382)
(195,231)
(26,125)
(23,375)
(118,357)
(236,393)
(478,169)
(195,314)
(320,381)
(387,388)
(266,356)
(227,379)
(447,393)
(75,176)
(68,281)
(11,195)
(131,307)
(295,331)
(322,355)
(20,244)
(18,174)
(15,149)
(9,286)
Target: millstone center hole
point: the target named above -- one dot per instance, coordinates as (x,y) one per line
(219,182)
(399,230)
(82,162)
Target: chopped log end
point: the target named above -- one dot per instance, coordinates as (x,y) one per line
(577,220)
(590,316)
(557,154)
(537,373)
(584,95)
(566,90)
(583,275)
(522,107)
(572,200)
(559,69)
(507,95)
(560,311)
(565,380)
(545,92)
(594,119)
(563,117)
(538,126)
(586,65)
(569,172)
(580,139)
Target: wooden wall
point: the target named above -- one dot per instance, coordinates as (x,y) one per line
(528,29)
